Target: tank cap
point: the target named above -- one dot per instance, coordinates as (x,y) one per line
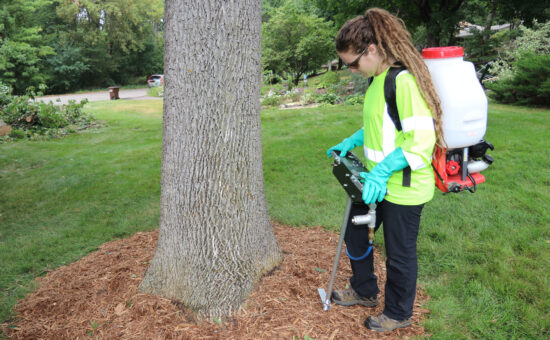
(442,52)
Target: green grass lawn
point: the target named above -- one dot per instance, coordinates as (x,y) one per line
(484,257)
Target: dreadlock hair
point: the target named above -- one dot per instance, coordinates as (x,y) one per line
(392,39)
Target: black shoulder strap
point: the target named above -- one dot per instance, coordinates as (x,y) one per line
(389,94)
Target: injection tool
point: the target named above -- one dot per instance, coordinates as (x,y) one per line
(346,170)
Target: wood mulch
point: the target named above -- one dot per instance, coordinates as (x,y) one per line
(97,298)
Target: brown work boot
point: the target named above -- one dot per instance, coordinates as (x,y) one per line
(349,297)
(382,323)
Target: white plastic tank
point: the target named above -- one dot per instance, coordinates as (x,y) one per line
(463,100)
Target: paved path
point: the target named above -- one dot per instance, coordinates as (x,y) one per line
(97,96)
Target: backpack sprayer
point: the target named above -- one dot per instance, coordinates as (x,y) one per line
(464,104)
(457,167)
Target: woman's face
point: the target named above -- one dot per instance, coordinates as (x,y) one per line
(369,63)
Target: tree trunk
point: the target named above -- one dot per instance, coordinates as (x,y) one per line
(489,23)
(215,238)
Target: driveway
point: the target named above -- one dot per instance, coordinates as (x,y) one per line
(97,96)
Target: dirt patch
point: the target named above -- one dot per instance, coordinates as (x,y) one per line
(97,297)
(290,106)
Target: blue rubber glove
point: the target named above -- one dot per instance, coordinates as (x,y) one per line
(348,144)
(375,186)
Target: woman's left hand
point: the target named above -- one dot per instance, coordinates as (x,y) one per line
(374,187)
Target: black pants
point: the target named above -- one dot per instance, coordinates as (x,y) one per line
(400,225)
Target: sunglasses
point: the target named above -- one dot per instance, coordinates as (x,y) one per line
(355,63)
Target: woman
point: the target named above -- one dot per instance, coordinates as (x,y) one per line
(370,45)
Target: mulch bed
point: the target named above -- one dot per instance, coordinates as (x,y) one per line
(97,297)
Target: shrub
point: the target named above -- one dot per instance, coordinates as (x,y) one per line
(271,99)
(354,99)
(268,77)
(328,98)
(288,83)
(32,118)
(308,97)
(156,91)
(17,134)
(5,94)
(360,83)
(342,88)
(535,40)
(277,88)
(529,83)
(328,79)
(293,95)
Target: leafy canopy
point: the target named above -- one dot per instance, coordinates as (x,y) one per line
(295,43)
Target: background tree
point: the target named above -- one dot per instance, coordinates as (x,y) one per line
(74,44)
(438,19)
(523,11)
(21,44)
(341,11)
(295,42)
(110,35)
(215,238)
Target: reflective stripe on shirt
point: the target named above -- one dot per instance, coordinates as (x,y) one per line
(417,123)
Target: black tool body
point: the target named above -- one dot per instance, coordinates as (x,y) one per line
(346,170)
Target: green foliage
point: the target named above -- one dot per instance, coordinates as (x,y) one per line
(308,97)
(531,40)
(434,23)
(67,68)
(22,47)
(295,42)
(438,17)
(522,70)
(293,95)
(17,134)
(357,99)
(327,98)
(35,118)
(479,51)
(156,91)
(360,83)
(271,99)
(327,79)
(275,88)
(71,45)
(268,77)
(340,11)
(19,64)
(520,10)
(529,84)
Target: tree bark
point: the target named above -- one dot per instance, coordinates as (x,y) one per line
(215,238)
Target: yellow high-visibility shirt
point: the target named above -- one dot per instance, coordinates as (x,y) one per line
(417,138)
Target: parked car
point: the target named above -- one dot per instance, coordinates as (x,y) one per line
(155,80)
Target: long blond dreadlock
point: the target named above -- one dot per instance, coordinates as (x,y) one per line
(390,35)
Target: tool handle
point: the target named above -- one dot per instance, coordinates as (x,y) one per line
(338,253)
(336,155)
